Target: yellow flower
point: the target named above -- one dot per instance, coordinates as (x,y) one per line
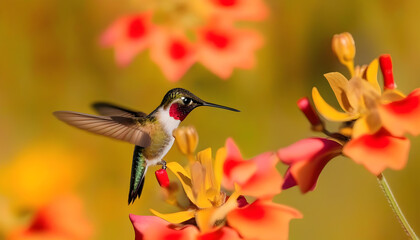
(359,97)
(201,182)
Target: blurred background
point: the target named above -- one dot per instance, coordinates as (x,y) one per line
(50,60)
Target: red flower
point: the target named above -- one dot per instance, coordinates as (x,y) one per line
(129,35)
(306,159)
(378,151)
(222,48)
(174,54)
(263,220)
(62,219)
(256,177)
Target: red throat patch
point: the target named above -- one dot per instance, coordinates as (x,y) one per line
(176,113)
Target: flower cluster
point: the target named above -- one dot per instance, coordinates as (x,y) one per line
(181,33)
(373,121)
(212,213)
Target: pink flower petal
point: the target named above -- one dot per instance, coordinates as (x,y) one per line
(378,151)
(174,54)
(402,116)
(154,228)
(307,158)
(262,220)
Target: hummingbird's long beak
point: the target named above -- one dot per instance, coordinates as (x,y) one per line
(207,104)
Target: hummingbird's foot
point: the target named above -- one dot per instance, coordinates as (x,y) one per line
(163,163)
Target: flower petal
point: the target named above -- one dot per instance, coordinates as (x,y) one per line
(256,177)
(263,220)
(367,124)
(218,166)
(378,151)
(174,54)
(307,158)
(177,217)
(154,228)
(372,75)
(339,85)
(183,177)
(267,181)
(208,217)
(129,35)
(329,112)
(222,48)
(224,233)
(402,116)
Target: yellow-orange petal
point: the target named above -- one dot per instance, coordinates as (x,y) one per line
(367,124)
(207,218)
(391,95)
(329,112)
(176,217)
(218,166)
(263,220)
(339,84)
(372,75)
(183,177)
(186,139)
(378,151)
(154,228)
(402,116)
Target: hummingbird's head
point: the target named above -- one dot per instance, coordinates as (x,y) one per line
(181,102)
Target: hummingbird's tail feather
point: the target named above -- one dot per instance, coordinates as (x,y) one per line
(138,172)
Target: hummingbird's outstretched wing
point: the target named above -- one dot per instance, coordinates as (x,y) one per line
(108,109)
(121,128)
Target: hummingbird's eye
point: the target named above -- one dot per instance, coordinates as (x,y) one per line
(186,100)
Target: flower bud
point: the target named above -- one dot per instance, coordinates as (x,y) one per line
(343,46)
(386,68)
(162,178)
(305,106)
(186,139)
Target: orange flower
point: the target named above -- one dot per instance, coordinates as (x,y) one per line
(256,177)
(62,219)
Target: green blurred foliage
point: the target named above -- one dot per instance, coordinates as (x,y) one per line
(50,60)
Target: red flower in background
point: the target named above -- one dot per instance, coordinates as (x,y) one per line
(129,35)
(177,39)
(62,219)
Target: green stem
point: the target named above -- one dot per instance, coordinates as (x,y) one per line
(394,205)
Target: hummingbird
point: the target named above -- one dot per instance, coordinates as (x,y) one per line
(150,133)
